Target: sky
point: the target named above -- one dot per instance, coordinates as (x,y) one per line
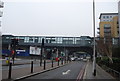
(53,17)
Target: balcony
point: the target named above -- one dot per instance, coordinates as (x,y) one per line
(107,31)
(98,32)
(107,27)
(98,28)
(117,25)
(1,13)
(98,35)
(1,4)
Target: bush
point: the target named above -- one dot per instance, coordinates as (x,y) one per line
(105,61)
(116,52)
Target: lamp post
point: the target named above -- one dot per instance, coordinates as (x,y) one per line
(52,57)
(94,58)
(42,51)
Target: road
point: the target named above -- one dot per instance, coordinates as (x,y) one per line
(69,71)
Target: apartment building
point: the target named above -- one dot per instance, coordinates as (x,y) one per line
(108,25)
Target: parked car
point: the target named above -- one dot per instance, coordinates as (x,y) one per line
(73,58)
(84,60)
(78,59)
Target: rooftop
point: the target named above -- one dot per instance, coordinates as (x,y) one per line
(107,14)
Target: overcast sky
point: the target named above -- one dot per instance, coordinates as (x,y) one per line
(53,17)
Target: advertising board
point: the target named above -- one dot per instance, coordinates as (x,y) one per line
(35,50)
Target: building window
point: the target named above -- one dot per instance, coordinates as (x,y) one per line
(104,17)
(107,30)
(39,40)
(117,22)
(36,40)
(107,16)
(107,25)
(107,34)
(7,37)
(21,38)
(26,39)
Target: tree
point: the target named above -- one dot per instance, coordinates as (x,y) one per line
(104,47)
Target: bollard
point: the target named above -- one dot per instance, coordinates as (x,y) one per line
(31,66)
(10,70)
(44,64)
(41,62)
(65,60)
(68,61)
(62,61)
(58,62)
(52,63)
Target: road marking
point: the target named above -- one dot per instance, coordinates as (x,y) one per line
(81,73)
(66,72)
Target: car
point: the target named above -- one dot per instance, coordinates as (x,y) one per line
(81,58)
(73,58)
(84,60)
(88,57)
(78,59)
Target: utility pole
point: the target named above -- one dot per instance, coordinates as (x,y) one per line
(94,58)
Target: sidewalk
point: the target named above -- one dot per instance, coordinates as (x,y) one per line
(23,62)
(26,71)
(100,73)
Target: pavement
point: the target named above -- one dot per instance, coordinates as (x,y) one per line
(100,73)
(21,61)
(25,72)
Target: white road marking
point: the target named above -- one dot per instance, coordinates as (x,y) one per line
(66,72)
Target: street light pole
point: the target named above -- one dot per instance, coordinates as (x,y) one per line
(94,59)
(42,51)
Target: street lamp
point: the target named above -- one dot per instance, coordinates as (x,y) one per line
(94,59)
(42,51)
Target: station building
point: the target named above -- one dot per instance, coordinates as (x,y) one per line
(31,45)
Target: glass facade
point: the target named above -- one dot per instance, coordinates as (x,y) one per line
(80,41)
(52,40)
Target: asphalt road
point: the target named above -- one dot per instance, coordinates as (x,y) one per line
(69,71)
